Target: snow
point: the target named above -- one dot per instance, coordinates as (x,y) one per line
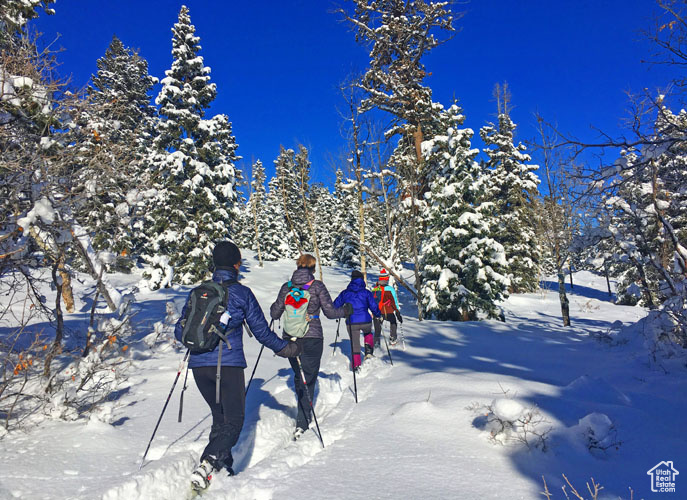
(613,414)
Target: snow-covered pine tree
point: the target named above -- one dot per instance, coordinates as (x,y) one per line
(345,224)
(512,186)
(324,212)
(194,159)
(120,121)
(256,207)
(14,14)
(399,34)
(292,205)
(302,164)
(464,268)
(275,235)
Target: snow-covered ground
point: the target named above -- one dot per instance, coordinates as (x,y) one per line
(426,427)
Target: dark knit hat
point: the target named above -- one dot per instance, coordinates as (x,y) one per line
(356,274)
(225,255)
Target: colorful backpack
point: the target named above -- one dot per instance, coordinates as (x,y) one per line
(297,319)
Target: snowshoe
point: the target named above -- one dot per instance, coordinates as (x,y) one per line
(393,341)
(201,476)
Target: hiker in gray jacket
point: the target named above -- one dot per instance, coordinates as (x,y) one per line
(313,340)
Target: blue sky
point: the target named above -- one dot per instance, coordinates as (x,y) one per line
(277,64)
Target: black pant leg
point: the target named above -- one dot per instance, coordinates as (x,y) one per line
(228,416)
(310,359)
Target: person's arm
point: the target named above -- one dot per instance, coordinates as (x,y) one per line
(338,301)
(179,327)
(393,294)
(328,308)
(258,325)
(372,304)
(277,309)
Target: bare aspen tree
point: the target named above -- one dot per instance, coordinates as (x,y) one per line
(556,214)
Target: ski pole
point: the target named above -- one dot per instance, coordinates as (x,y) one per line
(338,324)
(355,384)
(307,393)
(387,344)
(181,398)
(403,336)
(257,361)
(176,379)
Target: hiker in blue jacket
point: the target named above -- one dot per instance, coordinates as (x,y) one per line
(228,415)
(359,321)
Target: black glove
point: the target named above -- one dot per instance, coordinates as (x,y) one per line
(399,317)
(292,350)
(348,309)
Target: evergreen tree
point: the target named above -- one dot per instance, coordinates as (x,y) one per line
(194,160)
(324,210)
(345,250)
(274,239)
(291,202)
(120,122)
(14,14)
(256,208)
(512,186)
(464,268)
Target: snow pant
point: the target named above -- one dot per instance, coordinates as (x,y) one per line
(310,359)
(356,330)
(391,318)
(227,417)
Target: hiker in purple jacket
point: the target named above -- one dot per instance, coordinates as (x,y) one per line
(313,340)
(360,321)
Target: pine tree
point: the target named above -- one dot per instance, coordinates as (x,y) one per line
(256,207)
(120,121)
(292,205)
(345,250)
(14,14)
(464,268)
(512,186)
(324,211)
(274,240)
(194,161)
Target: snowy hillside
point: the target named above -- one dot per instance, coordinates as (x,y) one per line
(468,410)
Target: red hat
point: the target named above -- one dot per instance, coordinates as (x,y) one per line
(383,275)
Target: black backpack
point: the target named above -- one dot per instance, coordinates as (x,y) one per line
(202,330)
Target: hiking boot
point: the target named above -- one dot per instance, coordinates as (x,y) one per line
(201,476)
(393,340)
(369,350)
(298,433)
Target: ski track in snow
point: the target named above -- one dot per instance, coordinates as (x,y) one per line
(279,455)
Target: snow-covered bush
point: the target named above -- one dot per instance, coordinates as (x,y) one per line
(509,421)
(87,383)
(597,433)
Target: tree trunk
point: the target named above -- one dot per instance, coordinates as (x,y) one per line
(565,303)
(414,191)
(59,319)
(288,216)
(92,271)
(608,281)
(257,233)
(67,294)
(311,227)
(572,285)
